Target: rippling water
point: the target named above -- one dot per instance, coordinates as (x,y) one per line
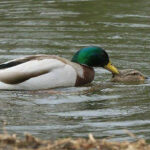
(102,108)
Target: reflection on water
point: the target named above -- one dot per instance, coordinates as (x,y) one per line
(53,27)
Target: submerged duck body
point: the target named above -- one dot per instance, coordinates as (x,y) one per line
(49,71)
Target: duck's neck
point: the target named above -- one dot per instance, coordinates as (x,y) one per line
(88,76)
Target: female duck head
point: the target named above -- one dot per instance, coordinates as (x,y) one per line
(94,57)
(129,75)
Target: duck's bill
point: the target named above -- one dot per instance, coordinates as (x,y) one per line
(111,68)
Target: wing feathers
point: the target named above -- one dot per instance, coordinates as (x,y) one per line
(16,78)
(19,61)
(20,70)
(16,62)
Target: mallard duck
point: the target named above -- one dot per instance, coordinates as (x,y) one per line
(39,72)
(128,75)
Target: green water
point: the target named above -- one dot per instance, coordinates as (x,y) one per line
(62,27)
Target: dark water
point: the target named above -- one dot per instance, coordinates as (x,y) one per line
(62,27)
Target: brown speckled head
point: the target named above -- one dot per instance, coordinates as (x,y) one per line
(128,75)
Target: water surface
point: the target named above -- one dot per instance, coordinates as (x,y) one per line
(62,27)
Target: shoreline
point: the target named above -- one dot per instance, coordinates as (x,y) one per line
(29,142)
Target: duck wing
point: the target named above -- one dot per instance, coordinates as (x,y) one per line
(20,70)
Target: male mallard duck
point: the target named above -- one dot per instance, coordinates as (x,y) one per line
(50,71)
(128,75)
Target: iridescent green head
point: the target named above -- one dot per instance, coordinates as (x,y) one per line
(94,56)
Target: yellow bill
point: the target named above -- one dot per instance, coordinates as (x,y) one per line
(111,68)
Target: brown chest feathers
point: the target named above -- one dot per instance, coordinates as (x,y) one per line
(88,76)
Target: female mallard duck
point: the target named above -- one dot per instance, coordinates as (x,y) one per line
(50,71)
(128,75)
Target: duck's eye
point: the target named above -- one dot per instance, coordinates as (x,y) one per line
(132,74)
(135,73)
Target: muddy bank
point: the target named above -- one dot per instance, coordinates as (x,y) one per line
(9,142)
